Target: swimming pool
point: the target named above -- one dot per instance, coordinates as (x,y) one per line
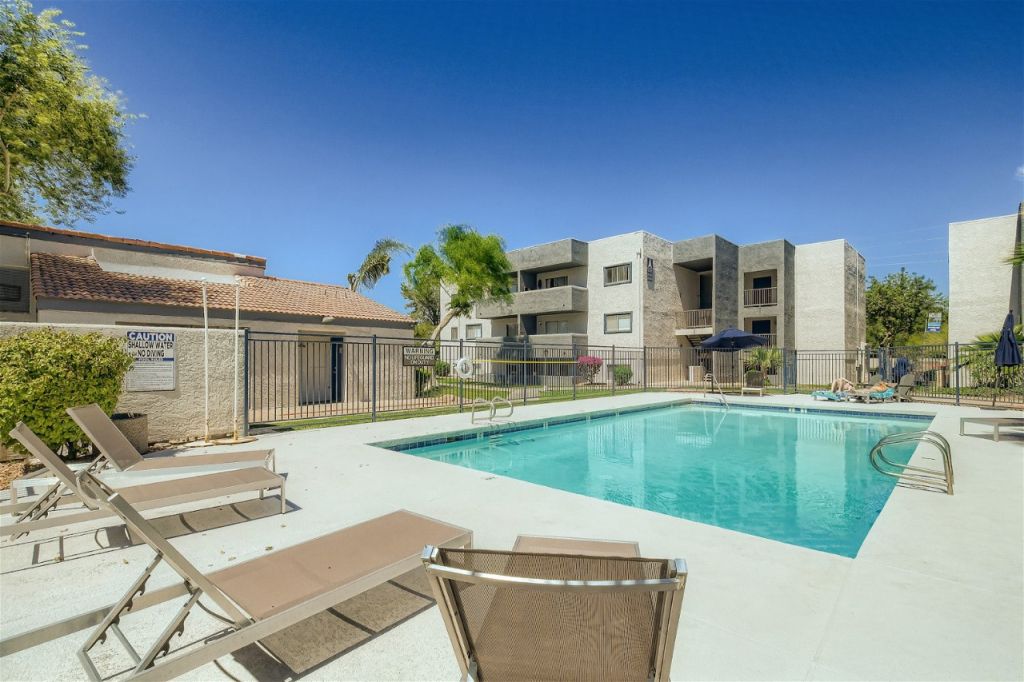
(801,477)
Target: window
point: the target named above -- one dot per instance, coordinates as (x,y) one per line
(552,282)
(455,334)
(618,323)
(474,331)
(14,290)
(762,282)
(760,326)
(556,327)
(618,274)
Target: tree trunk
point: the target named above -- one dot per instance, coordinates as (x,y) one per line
(436,334)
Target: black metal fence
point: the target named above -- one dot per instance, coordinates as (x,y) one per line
(308,376)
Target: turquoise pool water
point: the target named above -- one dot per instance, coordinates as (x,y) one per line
(801,478)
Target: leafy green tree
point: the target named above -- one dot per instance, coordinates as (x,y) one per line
(377,264)
(472,266)
(422,290)
(62,131)
(898,307)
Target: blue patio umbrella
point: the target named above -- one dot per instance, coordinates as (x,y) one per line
(1007,351)
(733,339)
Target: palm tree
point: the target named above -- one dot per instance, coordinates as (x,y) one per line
(376,264)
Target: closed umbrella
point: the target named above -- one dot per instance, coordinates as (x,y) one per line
(1007,352)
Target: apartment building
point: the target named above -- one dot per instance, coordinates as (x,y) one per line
(640,289)
(982,285)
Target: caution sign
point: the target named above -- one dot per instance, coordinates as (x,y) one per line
(153,354)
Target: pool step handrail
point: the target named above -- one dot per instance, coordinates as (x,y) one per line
(715,387)
(914,476)
(492,408)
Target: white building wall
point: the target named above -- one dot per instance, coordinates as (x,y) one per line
(820,298)
(616,298)
(981,282)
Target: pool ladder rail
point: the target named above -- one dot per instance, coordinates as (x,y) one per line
(492,408)
(715,387)
(912,476)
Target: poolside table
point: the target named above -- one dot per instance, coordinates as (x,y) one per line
(995,422)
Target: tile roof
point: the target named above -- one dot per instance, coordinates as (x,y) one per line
(73,277)
(43,231)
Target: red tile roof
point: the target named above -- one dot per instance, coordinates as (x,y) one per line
(72,277)
(43,231)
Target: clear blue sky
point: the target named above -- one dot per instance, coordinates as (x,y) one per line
(303,132)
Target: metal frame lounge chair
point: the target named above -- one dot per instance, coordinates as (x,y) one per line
(156,494)
(267,594)
(995,422)
(545,615)
(905,386)
(831,395)
(116,449)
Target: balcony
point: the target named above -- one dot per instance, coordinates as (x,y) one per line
(754,298)
(770,338)
(568,299)
(694,319)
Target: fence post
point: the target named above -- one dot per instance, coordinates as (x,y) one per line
(525,343)
(611,370)
(645,366)
(461,380)
(245,378)
(956,368)
(373,380)
(575,362)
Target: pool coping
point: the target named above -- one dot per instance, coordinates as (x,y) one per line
(493,427)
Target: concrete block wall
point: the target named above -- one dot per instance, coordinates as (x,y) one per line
(177,414)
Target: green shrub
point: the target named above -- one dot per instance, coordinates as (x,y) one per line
(44,372)
(423,379)
(622,374)
(442,368)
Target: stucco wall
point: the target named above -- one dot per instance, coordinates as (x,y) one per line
(981,283)
(177,414)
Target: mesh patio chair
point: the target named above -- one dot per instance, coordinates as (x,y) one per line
(548,616)
(115,448)
(162,493)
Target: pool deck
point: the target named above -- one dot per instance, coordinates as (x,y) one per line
(935,593)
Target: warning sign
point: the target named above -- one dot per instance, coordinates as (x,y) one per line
(153,355)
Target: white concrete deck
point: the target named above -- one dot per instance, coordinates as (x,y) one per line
(936,592)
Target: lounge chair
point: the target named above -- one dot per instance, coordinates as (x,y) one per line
(839,396)
(868,395)
(267,594)
(996,423)
(546,615)
(122,455)
(905,386)
(753,383)
(162,493)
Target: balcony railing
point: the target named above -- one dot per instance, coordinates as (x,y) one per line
(770,338)
(694,319)
(760,297)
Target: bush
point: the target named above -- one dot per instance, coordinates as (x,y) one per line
(442,368)
(622,374)
(587,367)
(44,372)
